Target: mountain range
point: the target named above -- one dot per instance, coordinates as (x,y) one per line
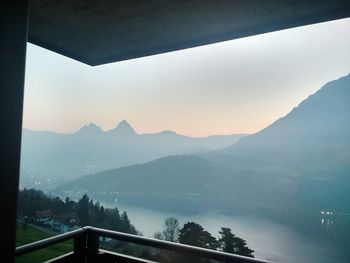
(50,158)
(298,165)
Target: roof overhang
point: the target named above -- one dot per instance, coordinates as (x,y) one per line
(102,31)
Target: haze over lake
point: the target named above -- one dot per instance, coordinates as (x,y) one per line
(251,134)
(285,189)
(270,240)
(257,186)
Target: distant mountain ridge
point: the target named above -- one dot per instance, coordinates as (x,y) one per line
(314,134)
(298,165)
(89,129)
(315,112)
(123,128)
(50,158)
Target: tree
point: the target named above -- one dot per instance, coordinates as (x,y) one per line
(158,235)
(171,229)
(89,212)
(115,220)
(25,223)
(126,226)
(83,210)
(194,234)
(232,244)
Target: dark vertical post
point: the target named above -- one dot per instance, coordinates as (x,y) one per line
(93,244)
(13,41)
(80,248)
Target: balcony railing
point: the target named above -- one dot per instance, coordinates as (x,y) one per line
(87,248)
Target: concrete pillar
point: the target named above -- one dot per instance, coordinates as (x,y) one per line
(13,41)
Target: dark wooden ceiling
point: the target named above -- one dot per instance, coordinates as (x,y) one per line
(102,31)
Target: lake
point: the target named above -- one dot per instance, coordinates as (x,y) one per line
(271,240)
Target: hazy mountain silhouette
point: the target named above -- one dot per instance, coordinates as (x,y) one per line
(320,120)
(124,129)
(90,129)
(51,158)
(315,135)
(300,164)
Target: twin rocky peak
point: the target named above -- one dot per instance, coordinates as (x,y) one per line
(123,128)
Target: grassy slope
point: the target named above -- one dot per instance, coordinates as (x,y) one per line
(32,235)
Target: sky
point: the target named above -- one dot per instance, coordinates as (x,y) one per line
(238,86)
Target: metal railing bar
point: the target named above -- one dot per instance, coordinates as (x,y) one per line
(48,241)
(124,257)
(176,247)
(155,243)
(64,258)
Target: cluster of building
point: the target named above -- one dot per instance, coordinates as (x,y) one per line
(58,223)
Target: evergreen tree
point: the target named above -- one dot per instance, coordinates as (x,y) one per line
(88,212)
(125,222)
(126,225)
(115,220)
(83,210)
(232,244)
(194,234)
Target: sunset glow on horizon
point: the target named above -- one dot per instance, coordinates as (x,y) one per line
(238,86)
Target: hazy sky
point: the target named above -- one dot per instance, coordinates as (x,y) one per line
(238,86)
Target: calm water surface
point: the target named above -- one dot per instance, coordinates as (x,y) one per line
(270,240)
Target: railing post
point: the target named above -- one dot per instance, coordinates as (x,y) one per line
(80,248)
(93,244)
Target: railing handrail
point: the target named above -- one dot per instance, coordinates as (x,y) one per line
(48,241)
(176,247)
(155,243)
